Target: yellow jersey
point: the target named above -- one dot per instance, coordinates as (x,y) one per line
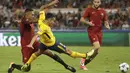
(46,35)
(42,15)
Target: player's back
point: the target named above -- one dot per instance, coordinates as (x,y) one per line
(46,35)
(26,31)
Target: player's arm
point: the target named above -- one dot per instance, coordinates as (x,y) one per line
(33,40)
(48,5)
(86,22)
(107,24)
(40,32)
(83,18)
(106,21)
(43,11)
(41,15)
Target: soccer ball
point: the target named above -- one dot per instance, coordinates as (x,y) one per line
(123,67)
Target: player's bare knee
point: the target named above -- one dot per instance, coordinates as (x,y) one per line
(68,51)
(97,47)
(38,53)
(48,53)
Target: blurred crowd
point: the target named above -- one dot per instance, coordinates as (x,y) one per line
(64,3)
(12,10)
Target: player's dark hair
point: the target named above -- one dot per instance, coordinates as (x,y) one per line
(93,0)
(49,15)
(28,9)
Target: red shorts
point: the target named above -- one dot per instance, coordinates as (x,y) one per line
(94,37)
(27,52)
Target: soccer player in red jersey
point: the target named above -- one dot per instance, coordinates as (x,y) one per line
(96,16)
(27,33)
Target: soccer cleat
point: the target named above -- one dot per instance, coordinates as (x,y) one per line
(71,68)
(82,66)
(10,69)
(25,67)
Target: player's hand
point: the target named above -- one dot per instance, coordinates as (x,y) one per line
(108,27)
(30,46)
(56,1)
(91,23)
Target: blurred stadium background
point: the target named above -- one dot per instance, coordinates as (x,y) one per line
(68,14)
(68,30)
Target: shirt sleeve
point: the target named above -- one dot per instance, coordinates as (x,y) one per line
(42,15)
(41,30)
(86,13)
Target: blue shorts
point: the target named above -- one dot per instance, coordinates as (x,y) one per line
(58,47)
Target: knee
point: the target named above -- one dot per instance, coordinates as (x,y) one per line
(38,53)
(48,53)
(68,51)
(97,47)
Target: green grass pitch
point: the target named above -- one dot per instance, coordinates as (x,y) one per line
(107,61)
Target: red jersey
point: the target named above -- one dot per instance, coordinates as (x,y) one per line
(96,16)
(26,32)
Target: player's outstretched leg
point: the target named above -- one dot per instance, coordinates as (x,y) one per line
(14,66)
(10,69)
(54,56)
(90,56)
(58,59)
(72,69)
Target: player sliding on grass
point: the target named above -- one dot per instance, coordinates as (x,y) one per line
(27,32)
(48,41)
(96,16)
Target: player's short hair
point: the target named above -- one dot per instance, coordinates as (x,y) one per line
(49,15)
(93,0)
(28,9)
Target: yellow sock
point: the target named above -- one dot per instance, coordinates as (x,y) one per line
(32,58)
(78,55)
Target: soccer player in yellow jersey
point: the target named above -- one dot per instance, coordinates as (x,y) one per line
(43,10)
(27,50)
(48,41)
